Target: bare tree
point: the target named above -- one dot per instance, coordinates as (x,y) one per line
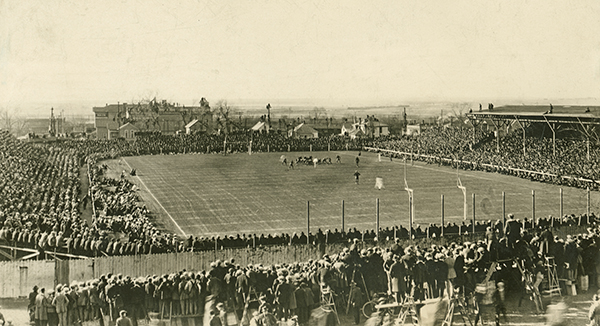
(223,121)
(318,113)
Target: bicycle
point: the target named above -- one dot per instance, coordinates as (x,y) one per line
(388,307)
(369,307)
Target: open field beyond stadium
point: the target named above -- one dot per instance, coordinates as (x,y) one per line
(240,193)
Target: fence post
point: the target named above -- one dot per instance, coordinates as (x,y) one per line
(442,229)
(377,218)
(561,203)
(588,205)
(473,195)
(307,222)
(533,208)
(503,210)
(343,226)
(311,147)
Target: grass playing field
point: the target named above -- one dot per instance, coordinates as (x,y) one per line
(239,193)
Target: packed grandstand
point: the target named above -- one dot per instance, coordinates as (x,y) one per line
(41,203)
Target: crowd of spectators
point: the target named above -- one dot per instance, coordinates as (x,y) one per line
(39,208)
(40,186)
(456,146)
(259,294)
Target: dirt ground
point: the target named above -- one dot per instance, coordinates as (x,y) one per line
(15,311)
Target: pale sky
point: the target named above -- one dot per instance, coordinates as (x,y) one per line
(106,51)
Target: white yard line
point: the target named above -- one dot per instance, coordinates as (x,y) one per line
(158,202)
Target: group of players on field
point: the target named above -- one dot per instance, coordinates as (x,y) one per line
(309,160)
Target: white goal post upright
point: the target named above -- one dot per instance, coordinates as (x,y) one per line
(464,191)
(411,211)
(250,144)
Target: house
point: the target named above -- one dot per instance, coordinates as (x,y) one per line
(356,133)
(327,129)
(377,129)
(259,126)
(128,131)
(303,131)
(366,127)
(195,126)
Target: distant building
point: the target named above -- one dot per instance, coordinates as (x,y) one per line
(370,128)
(128,131)
(377,129)
(327,129)
(303,131)
(170,122)
(259,126)
(106,122)
(197,126)
(413,130)
(109,119)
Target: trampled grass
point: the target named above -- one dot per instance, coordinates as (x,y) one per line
(241,193)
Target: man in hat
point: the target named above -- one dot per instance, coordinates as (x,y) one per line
(31,305)
(214,319)
(512,231)
(356,302)
(61,302)
(123,320)
(41,304)
(222,313)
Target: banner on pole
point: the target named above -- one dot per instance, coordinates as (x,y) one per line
(379,183)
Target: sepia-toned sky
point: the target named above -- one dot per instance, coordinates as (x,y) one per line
(54,51)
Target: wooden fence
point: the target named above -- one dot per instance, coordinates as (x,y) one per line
(159,264)
(17,278)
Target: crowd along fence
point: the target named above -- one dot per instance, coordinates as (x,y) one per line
(19,277)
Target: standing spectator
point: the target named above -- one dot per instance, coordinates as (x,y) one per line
(397,275)
(356,302)
(51,310)
(41,304)
(95,303)
(512,231)
(61,302)
(214,319)
(123,320)
(83,301)
(31,305)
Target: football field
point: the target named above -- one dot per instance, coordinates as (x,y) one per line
(240,193)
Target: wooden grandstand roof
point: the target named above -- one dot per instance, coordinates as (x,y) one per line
(560,114)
